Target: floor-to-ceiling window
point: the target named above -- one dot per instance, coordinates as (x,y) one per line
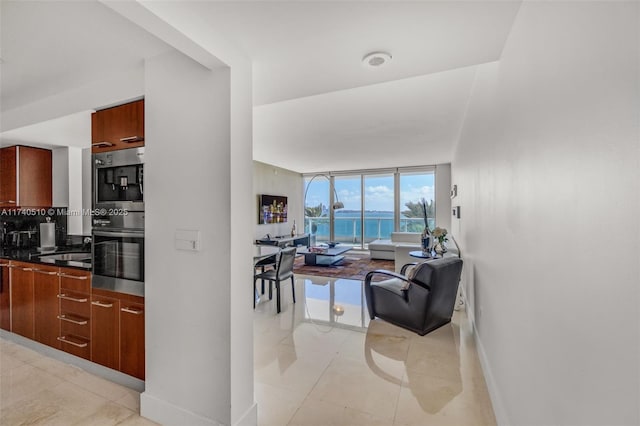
(417,189)
(370,204)
(379,202)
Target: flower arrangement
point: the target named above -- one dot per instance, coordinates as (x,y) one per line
(440,234)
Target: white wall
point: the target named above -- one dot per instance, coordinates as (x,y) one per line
(547,170)
(187,170)
(68,185)
(272,180)
(443,196)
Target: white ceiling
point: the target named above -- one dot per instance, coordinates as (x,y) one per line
(71,130)
(311,92)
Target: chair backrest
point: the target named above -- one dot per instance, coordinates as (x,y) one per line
(441,277)
(285,264)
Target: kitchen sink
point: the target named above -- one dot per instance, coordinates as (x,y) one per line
(77,257)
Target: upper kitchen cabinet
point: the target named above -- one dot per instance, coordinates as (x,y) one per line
(119,127)
(25,177)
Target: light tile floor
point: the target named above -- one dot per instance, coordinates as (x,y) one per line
(319,362)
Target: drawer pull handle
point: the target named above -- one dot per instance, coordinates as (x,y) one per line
(66,318)
(73,277)
(8,201)
(4,264)
(103,144)
(27,269)
(80,345)
(132,139)
(40,271)
(73,299)
(102,305)
(132,311)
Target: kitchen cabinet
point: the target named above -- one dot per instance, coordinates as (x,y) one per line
(25,177)
(22,302)
(132,339)
(105,331)
(5,308)
(46,288)
(75,312)
(118,331)
(119,127)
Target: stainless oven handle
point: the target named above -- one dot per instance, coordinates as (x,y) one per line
(119,234)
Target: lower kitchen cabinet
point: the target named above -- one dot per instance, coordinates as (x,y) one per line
(132,339)
(105,331)
(75,312)
(22,302)
(117,339)
(5,307)
(46,287)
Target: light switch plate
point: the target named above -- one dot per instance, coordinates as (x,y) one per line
(186,239)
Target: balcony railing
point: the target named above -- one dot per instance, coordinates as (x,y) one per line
(348,229)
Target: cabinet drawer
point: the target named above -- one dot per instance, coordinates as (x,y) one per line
(75,280)
(75,345)
(75,325)
(74,303)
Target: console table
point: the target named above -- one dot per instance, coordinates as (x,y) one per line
(286,241)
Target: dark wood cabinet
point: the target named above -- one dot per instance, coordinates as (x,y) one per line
(5,307)
(25,177)
(132,339)
(22,302)
(46,287)
(119,127)
(75,312)
(105,331)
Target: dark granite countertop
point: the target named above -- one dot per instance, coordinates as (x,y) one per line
(33,256)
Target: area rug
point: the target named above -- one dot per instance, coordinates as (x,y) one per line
(354,266)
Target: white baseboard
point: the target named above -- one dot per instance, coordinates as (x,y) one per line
(249,418)
(168,414)
(496,401)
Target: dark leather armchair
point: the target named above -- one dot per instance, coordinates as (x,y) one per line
(420,302)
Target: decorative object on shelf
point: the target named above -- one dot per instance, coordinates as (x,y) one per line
(427,239)
(440,235)
(293,228)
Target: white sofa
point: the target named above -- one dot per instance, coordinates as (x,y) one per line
(397,248)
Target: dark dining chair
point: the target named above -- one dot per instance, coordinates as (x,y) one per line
(421,301)
(263,265)
(283,271)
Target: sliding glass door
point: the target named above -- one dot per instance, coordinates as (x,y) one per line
(378,207)
(347,222)
(416,188)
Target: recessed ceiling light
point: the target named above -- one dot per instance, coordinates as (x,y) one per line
(376,59)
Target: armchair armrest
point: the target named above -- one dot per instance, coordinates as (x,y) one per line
(369,276)
(404,267)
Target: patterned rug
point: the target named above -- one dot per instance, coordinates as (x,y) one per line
(354,266)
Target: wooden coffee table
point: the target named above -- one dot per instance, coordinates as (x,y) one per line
(327,257)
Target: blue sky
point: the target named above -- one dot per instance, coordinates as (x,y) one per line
(378,191)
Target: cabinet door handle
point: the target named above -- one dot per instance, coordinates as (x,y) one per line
(80,345)
(2,265)
(65,318)
(133,311)
(131,139)
(27,269)
(103,144)
(102,305)
(73,277)
(40,271)
(73,299)
(8,201)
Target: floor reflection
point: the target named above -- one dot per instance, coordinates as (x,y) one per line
(322,361)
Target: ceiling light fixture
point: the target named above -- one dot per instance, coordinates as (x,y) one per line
(376,59)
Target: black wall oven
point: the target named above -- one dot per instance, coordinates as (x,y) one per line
(118,261)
